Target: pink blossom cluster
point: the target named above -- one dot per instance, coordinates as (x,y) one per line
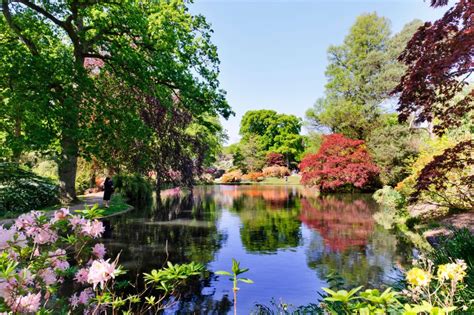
(100,272)
(36,250)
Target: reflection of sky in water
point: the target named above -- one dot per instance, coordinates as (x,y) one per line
(284,275)
(288,238)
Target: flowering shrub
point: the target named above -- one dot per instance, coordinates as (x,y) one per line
(38,255)
(340,162)
(232,177)
(253,176)
(430,290)
(276,171)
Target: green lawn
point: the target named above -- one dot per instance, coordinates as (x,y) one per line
(292,180)
(117,204)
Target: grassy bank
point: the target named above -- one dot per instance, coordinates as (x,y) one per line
(292,180)
(117,205)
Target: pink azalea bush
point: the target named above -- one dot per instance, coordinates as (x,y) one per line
(38,255)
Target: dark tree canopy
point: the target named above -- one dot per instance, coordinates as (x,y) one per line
(439,58)
(435,88)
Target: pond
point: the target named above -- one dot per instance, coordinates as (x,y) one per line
(289,238)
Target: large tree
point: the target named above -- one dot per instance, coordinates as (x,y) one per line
(275,132)
(149,48)
(361,74)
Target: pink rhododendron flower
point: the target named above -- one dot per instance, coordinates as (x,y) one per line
(58,259)
(85,296)
(26,276)
(74,301)
(76,220)
(82,298)
(5,290)
(58,253)
(100,272)
(99,250)
(93,228)
(44,235)
(81,275)
(61,265)
(6,237)
(29,303)
(48,275)
(25,220)
(60,214)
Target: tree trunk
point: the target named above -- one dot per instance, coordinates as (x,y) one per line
(17,149)
(67,168)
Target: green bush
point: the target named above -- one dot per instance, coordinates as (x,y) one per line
(459,245)
(392,147)
(22,190)
(134,187)
(389,198)
(46,168)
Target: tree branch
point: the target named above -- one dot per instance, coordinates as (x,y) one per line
(6,12)
(42,11)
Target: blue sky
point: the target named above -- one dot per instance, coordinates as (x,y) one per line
(273,53)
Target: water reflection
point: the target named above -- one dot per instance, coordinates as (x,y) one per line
(179,229)
(288,237)
(342,221)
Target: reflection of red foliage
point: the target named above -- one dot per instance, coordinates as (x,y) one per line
(341,224)
(339,161)
(274,197)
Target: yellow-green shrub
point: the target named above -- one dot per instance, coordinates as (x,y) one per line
(253,176)
(453,195)
(276,171)
(232,177)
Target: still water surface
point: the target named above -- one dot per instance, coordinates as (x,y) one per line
(289,239)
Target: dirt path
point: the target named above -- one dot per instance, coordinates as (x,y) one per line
(458,221)
(86,200)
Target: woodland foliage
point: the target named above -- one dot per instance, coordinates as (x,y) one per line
(75,72)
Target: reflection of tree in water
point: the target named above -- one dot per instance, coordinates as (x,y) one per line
(178,229)
(203,304)
(342,224)
(348,241)
(274,197)
(269,218)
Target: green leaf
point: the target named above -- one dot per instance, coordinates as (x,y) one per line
(245,280)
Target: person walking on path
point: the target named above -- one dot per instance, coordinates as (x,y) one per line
(108,190)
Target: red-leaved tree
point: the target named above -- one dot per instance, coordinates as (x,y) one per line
(274,158)
(437,88)
(440,60)
(340,163)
